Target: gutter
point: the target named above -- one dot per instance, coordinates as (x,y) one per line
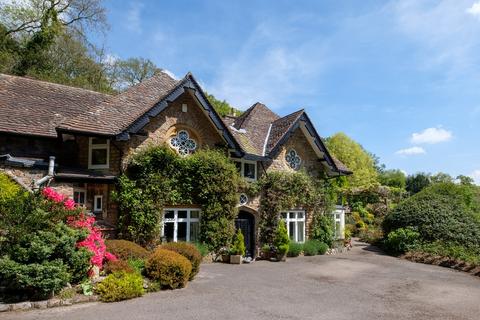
(48,177)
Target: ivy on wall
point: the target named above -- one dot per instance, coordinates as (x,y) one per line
(157,177)
(281,191)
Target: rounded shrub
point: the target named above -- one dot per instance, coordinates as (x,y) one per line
(125,249)
(120,286)
(170,269)
(238,246)
(117,266)
(322,248)
(310,248)
(443,211)
(401,240)
(189,251)
(295,249)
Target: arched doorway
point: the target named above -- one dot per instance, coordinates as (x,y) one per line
(245,221)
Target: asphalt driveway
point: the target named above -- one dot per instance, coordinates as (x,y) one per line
(361,284)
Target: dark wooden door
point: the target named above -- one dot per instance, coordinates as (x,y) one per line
(246,223)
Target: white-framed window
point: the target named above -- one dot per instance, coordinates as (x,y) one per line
(79,197)
(98,153)
(293,159)
(295,220)
(180,224)
(97,203)
(247,168)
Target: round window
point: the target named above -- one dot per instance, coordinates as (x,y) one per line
(243,199)
(293,159)
(183,143)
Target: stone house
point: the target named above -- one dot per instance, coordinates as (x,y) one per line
(79,141)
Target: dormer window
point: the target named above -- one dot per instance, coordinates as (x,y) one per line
(183,143)
(293,159)
(98,153)
(247,169)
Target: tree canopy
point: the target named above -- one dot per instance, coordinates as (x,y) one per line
(222,107)
(356,158)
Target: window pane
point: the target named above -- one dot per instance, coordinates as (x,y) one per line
(292,215)
(299,215)
(99,156)
(169,214)
(182,231)
(291,231)
(98,203)
(182,214)
(194,231)
(300,231)
(194,214)
(168,231)
(249,170)
(99,141)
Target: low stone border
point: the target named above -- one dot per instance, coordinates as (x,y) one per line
(44,304)
(427,258)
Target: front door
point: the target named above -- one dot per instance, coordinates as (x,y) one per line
(246,223)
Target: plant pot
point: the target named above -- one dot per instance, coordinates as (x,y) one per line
(225,258)
(235,259)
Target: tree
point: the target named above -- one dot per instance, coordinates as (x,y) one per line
(126,73)
(465,180)
(441,177)
(356,158)
(417,182)
(222,107)
(393,178)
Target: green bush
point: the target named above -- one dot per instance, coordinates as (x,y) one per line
(322,248)
(137,264)
(202,248)
(281,241)
(38,280)
(443,212)
(125,250)
(118,266)
(120,286)
(295,249)
(170,269)
(324,229)
(238,246)
(455,251)
(8,188)
(189,251)
(402,240)
(310,248)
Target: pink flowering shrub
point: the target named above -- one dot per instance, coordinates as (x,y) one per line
(94,241)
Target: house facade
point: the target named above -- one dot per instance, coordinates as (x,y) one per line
(79,142)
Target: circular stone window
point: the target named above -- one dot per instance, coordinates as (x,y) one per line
(243,199)
(293,159)
(183,143)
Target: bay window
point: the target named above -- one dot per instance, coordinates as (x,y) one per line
(181,225)
(295,220)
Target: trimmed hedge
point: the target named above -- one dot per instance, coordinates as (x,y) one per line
(120,286)
(118,266)
(187,250)
(314,247)
(295,249)
(170,269)
(125,249)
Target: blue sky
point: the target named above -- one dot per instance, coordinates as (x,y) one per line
(400,77)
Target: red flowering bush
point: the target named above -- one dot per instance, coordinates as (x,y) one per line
(94,241)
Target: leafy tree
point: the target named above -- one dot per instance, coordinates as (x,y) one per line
(222,107)
(441,178)
(356,158)
(417,182)
(127,73)
(393,178)
(465,180)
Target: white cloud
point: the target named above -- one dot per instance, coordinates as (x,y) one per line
(431,136)
(411,151)
(134,17)
(110,59)
(476,176)
(474,10)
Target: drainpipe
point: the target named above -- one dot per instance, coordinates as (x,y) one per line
(48,177)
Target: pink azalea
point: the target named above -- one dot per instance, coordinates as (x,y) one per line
(69,204)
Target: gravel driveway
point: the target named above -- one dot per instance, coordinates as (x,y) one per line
(361,284)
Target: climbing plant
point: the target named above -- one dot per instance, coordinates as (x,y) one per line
(157,177)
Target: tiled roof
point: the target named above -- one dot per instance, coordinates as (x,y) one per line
(115,114)
(280,127)
(34,107)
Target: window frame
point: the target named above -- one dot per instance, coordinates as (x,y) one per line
(92,147)
(287,220)
(176,220)
(94,207)
(242,168)
(84,197)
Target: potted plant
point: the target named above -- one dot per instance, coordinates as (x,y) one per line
(225,254)
(266,251)
(238,249)
(281,241)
